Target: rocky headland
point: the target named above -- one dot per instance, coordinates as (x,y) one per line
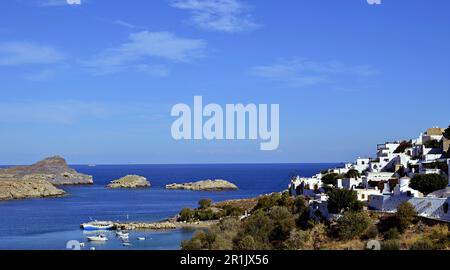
(204,185)
(38,180)
(130,181)
(54,170)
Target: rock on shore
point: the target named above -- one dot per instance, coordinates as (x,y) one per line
(24,189)
(130,181)
(54,170)
(205,185)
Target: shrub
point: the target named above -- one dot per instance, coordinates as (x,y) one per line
(186,214)
(447,133)
(298,240)
(392,234)
(233,211)
(427,183)
(205,203)
(341,199)
(352,174)
(423,244)
(329,179)
(433,144)
(405,215)
(283,224)
(207,214)
(390,245)
(246,243)
(371,232)
(352,225)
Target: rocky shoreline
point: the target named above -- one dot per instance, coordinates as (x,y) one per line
(162,225)
(204,185)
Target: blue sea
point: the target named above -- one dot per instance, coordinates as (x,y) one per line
(48,224)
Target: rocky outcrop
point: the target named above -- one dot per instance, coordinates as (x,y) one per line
(165,225)
(24,189)
(205,185)
(54,170)
(130,181)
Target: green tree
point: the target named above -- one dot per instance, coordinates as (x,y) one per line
(329,179)
(405,215)
(427,183)
(352,174)
(352,225)
(204,203)
(186,214)
(283,224)
(340,200)
(447,133)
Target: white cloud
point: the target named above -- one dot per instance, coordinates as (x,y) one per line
(301,72)
(143,49)
(218,15)
(26,53)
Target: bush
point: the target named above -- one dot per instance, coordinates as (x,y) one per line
(298,240)
(340,200)
(352,174)
(390,245)
(246,243)
(427,183)
(283,224)
(330,179)
(233,211)
(392,234)
(352,225)
(186,214)
(423,244)
(405,216)
(371,232)
(205,203)
(447,133)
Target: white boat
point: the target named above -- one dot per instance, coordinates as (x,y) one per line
(97,225)
(98,238)
(141,238)
(122,234)
(126,244)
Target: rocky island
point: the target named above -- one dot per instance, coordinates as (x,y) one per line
(204,185)
(54,170)
(130,181)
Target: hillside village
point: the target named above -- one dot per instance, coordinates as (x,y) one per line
(386,181)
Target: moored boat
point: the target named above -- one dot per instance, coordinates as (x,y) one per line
(98,238)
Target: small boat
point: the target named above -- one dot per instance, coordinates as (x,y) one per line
(98,238)
(122,234)
(97,225)
(126,244)
(141,238)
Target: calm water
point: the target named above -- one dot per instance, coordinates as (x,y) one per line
(50,223)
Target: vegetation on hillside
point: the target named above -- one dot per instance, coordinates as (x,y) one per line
(427,183)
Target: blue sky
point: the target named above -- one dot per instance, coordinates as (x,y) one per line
(95,82)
